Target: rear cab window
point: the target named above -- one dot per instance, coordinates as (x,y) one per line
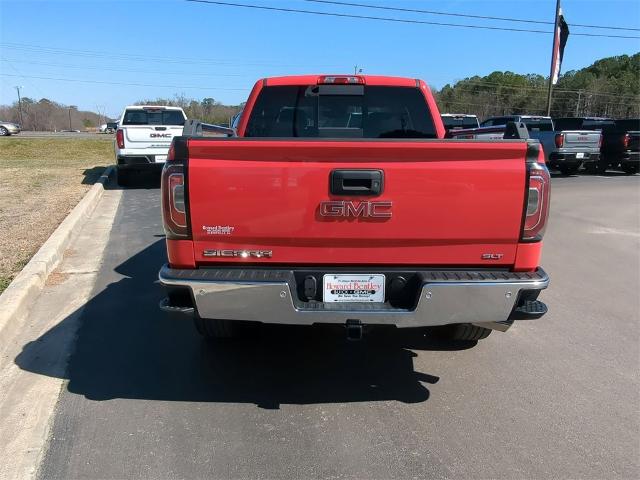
(538,124)
(628,125)
(341,111)
(598,124)
(568,124)
(584,124)
(148,116)
(497,121)
(453,122)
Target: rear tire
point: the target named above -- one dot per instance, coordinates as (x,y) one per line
(123,177)
(214,329)
(596,168)
(630,169)
(568,169)
(465,332)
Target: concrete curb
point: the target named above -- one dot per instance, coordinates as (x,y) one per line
(16,300)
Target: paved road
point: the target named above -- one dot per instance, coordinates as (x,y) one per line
(147,398)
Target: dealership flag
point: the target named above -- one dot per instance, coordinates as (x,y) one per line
(561,35)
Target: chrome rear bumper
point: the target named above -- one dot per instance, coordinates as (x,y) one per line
(491,298)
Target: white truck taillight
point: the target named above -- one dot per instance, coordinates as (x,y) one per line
(559,140)
(120,138)
(537,202)
(174,202)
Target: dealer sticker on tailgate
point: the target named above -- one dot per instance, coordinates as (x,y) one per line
(353,288)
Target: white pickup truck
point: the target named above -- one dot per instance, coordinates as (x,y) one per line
(143,138)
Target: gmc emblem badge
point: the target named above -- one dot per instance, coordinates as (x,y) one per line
(349,209)
(160,135)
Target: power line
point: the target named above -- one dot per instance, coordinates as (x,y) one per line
(464,15)
(127,70)
(136,57)
(122,83)
(395,20)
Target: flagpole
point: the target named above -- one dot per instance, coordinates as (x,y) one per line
(553,49)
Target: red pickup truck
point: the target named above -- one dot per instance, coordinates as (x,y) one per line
(339,201)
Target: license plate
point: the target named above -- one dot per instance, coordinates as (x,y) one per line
(579,155)
(353,288)
(161,158)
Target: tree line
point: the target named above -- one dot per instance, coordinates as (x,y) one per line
(608,88)
(47,115)
(207,110)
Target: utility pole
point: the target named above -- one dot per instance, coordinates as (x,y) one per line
(20,106)
(356,70)
(553,51)
(578,104)
(101,115)
(70,108)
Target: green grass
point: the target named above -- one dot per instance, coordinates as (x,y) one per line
(55,152)
(41,180)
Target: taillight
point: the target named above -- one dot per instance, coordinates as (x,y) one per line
(120,138)
(600,141)
(626,140)
(174,198)
(559,140)
(341,80)
(537,204)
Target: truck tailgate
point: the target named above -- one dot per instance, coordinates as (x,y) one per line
(453,203)
(149,136)
(582,139)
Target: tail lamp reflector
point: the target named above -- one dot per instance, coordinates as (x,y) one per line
(626,140)
(174,207)
(559,140)
(537,206)
(120,138)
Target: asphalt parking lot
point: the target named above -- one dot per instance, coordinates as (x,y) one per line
(145,397)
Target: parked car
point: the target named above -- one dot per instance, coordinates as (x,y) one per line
(143,138)
(457,121)
(340,202)
(620,142)
(9,128)
(112,127)
(565,149)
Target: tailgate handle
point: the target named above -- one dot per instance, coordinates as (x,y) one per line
(356,182)
(161,128)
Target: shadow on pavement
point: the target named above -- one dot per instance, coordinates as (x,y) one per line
(127,348)
(91,175)
(146,179)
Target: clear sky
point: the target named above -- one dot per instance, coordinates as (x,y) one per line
(148,49)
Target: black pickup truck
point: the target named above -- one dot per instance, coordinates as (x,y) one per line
(621,146)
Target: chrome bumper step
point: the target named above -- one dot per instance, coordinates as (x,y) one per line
(271,296)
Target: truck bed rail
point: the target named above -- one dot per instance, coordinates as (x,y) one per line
(196,128)
(512,130)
